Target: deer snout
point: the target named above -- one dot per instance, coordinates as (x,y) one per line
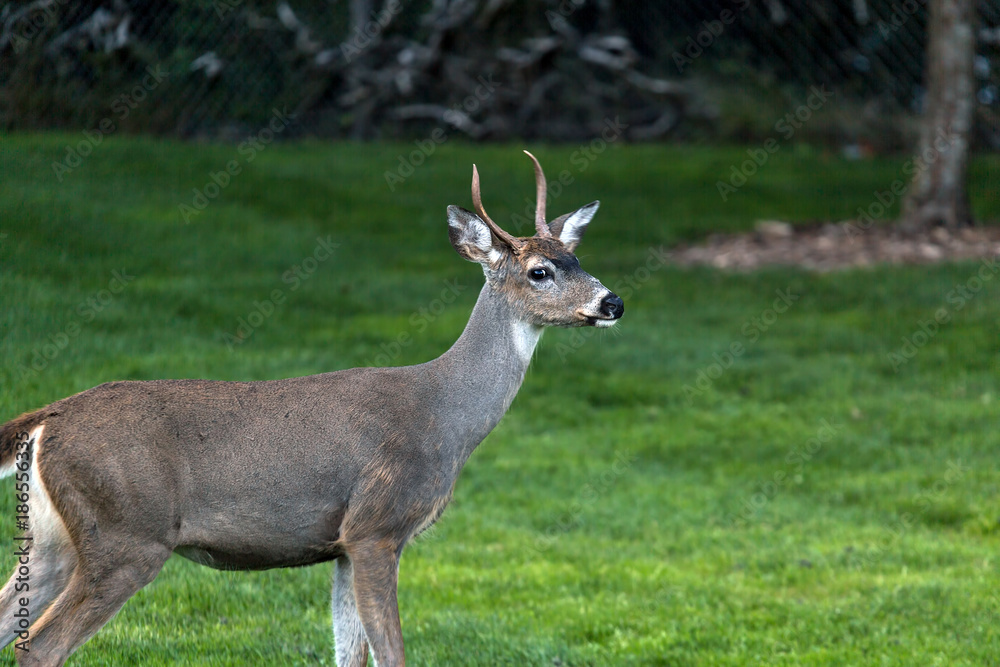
(612,306)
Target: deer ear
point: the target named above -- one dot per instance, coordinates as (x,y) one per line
(569,228)
(471,238)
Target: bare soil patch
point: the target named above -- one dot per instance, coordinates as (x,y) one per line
(832,247)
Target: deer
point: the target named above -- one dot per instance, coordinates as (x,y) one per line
(347,465)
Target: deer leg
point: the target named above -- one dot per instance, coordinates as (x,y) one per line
(376,573)
(95,592)
(42,572)
(348,633)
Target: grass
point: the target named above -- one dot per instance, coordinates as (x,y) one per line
(651,499)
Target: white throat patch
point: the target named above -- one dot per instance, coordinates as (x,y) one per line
(526,338)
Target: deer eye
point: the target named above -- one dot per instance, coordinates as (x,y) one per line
(538,274)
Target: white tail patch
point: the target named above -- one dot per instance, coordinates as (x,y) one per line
(22,446)
(46,525)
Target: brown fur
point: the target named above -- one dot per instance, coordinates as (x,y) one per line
(251,475)
(17,430)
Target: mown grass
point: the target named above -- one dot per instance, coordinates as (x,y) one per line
(807,504)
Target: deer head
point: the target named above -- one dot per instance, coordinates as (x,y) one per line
(539,275)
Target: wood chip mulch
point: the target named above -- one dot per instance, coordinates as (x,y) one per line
(833,247)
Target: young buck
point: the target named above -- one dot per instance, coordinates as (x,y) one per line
(347,465)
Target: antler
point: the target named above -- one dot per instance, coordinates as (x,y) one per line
(477,200)
(540,225)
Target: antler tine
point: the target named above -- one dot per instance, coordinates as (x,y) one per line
(540,225)
(477,200)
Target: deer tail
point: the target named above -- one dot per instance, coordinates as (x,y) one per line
(17,436)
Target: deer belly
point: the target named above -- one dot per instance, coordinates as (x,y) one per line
(258,559)
(261,542)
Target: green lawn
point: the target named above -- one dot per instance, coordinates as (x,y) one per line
(652,498)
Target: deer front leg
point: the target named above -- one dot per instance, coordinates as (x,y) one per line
(376,573)
(348,634)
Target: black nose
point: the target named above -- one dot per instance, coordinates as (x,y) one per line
(612,306)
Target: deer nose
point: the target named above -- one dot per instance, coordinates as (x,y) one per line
(612,306)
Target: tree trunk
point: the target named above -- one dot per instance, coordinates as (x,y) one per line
(938,194)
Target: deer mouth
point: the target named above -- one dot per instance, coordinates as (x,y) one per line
(611,309)
(601,321)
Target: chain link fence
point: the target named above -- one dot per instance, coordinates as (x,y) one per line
(558,70)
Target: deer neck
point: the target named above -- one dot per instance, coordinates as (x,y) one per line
(483,370)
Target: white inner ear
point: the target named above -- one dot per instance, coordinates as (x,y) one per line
(473,231)
(480,235)
(484,241)
(572,230)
